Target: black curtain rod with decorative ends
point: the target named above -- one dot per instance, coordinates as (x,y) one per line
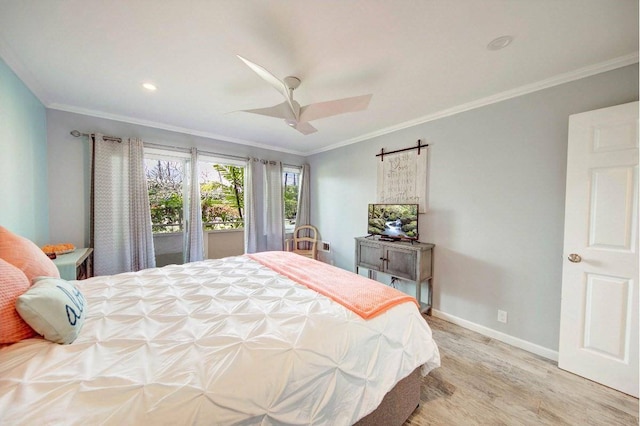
(77,134)
(382,153)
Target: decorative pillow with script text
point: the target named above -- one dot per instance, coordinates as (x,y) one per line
(54,308)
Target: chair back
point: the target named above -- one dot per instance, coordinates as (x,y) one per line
(305,241)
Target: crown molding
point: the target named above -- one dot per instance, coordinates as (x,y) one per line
(499,97)
(163,126)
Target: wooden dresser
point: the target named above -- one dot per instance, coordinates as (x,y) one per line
(409,261)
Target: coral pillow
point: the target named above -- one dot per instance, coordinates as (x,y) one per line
(13,283)
(25,255)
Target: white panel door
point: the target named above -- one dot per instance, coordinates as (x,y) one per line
(599,318)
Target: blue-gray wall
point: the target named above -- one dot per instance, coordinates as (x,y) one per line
(24,197)
(496,188)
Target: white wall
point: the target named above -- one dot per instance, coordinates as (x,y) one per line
(69,182)
(497,177)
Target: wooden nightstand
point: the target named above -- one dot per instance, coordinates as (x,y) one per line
(409,261)
(77,265)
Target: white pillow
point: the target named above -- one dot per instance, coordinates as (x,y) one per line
(54,308)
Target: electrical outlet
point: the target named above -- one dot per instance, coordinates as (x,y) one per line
(325,246)
(502,316)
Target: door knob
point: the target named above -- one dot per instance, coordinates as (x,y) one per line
(575,258)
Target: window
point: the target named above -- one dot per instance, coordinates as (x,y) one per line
(221,183)
(221,191)
(291,186)
(165,182)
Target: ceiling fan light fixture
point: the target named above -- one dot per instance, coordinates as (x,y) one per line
(292,82)
(500,42)
(298,117)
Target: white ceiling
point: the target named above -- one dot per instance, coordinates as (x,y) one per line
(420,59)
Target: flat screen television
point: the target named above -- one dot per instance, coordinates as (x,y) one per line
(394,221)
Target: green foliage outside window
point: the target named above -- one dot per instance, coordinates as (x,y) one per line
(223,203)
(222,195)
(290,182)
(222,199)
(164,181)
(290,202)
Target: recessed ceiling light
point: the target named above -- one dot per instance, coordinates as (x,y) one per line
(500,42)
(149,86)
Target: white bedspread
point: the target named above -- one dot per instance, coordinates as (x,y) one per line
(217,342)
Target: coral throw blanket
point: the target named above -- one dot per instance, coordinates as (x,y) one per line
(361,295)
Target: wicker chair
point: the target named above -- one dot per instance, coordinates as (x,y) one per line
(305,241)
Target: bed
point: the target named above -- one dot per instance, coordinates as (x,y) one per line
(221,342)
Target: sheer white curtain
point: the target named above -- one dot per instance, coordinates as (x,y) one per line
(273,206)
(303,214)
(264,206)
(120,214)
(251,186)
(193,238)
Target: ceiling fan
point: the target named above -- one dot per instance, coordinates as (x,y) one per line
(293,114)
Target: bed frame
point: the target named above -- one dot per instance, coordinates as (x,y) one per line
(398,404)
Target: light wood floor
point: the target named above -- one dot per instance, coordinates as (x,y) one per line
(486,382)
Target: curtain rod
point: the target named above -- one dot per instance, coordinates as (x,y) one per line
(382,153)
(77,134)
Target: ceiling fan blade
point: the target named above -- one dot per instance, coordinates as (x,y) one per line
(278,111)
(305,128)
(330,108)
(274,81)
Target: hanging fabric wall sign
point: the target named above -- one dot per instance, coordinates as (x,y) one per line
(402,177)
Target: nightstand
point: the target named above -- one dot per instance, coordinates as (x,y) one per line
(77,265)
(410,261)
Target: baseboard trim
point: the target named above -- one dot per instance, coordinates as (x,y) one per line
(502,337)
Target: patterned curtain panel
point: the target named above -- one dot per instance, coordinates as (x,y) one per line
(264,194)
(121,217)
(193,239)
